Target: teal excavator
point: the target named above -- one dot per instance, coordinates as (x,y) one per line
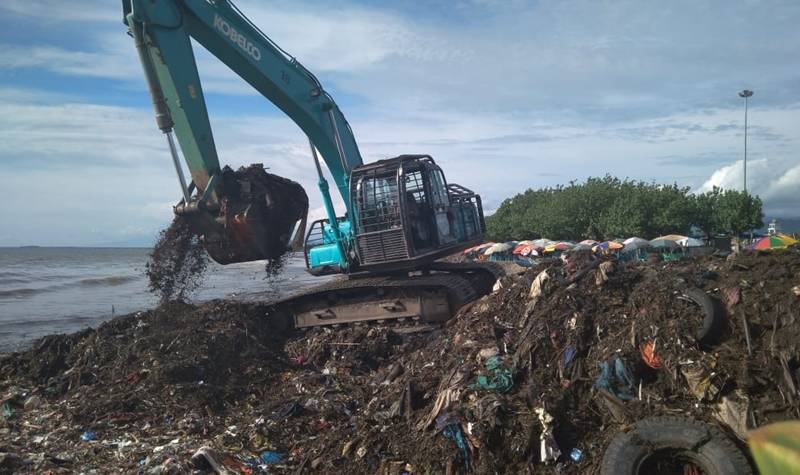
(401,213)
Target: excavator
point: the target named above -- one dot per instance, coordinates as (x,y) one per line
(401,217)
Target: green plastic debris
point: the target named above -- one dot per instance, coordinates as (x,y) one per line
(500,379)
(8,410)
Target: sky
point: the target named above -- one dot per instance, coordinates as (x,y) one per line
(505,95)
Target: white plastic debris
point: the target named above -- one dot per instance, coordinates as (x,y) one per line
(549,450)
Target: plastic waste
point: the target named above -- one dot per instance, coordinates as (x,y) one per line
(616,379)
(548,448)
(576,454)
(206,458)
(500,380)
(270,457)
(569,355)
(649,355)
(88,436)
(8,410)
(451,428)
(290,409)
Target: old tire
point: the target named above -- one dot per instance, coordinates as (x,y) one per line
(673,438)
(713,324)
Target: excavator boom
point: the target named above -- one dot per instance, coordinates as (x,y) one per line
(162,30)
(401,213)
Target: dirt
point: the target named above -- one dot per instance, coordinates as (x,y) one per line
(250,197)
(153,388)
(177,264)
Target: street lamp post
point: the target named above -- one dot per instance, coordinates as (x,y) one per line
(746,94)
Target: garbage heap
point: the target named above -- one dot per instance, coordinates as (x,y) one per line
(539,376)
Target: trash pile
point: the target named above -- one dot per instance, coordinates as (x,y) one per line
(539,377)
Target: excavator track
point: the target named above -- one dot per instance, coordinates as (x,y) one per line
(433,296)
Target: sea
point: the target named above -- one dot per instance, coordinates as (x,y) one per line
(47,290)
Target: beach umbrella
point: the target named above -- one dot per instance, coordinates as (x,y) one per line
(588,242)
(607,246)
(523,249)
(479,247)
(540,244)
(559,246)
(691,242)
(789,240)
(771,242)
(499,247)
(665,243)
(671,237)
(636,241)
(580,247)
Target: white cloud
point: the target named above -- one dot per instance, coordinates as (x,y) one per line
(777,182)
(505,95)
(59,11)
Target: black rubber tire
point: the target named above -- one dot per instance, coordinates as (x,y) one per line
(702,444)
(714,318)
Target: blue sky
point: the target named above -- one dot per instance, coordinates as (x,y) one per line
(506,95)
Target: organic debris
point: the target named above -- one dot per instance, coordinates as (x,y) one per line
(177,263)
(186,387)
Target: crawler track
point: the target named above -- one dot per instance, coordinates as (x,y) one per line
(433,296)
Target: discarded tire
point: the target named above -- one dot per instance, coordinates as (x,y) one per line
(665,444)
(713,324)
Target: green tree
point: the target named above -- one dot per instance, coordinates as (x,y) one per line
(737,211)
(609,207)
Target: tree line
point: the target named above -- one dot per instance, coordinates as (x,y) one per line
(608,207)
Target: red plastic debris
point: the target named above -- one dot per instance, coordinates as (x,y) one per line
(651,359)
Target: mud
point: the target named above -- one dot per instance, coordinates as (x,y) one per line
(177,263)
(153,388)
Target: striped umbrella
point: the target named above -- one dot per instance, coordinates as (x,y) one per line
(772,242)
(559,246)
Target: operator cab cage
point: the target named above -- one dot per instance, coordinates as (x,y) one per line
(405,213)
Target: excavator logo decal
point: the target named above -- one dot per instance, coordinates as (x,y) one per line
(246,45)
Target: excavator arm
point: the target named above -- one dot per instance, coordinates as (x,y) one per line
(162,30)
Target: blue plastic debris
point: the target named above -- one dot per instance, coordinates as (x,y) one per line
(569,355)
(500,381)
(576,454)
(88,436)
(616,379)
(451,428)
(270,457)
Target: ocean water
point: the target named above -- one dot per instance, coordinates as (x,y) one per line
(61,290)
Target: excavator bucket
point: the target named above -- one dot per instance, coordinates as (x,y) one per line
(257,213)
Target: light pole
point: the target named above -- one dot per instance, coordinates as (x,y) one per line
(746,94)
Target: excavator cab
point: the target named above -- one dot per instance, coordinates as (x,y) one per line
(405,214)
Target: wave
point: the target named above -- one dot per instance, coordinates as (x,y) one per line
(19,293)
(110,281)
